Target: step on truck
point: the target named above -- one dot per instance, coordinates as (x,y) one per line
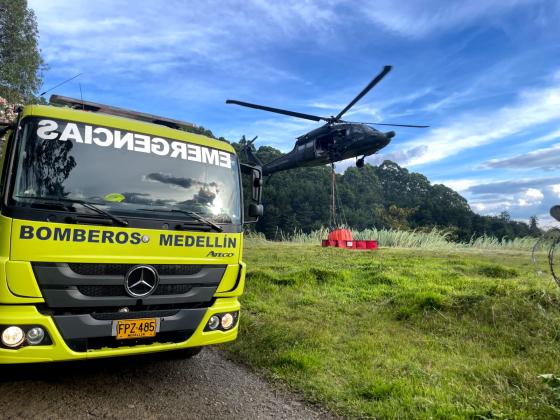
(121,233)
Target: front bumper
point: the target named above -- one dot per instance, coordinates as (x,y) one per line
(59,350)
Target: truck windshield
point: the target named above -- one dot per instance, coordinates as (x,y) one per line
(125,172)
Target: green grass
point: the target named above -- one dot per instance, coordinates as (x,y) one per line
(402,333)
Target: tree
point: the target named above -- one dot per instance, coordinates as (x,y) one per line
(21,65)
(505,216)
(534,226)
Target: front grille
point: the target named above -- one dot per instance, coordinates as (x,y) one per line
(94,269)
(96,343)
(91,285)
(118,290)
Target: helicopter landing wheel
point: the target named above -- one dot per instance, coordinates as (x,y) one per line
(360,162)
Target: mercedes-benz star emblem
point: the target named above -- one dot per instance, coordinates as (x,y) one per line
(141,281)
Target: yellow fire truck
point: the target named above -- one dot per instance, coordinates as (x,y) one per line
(120,233)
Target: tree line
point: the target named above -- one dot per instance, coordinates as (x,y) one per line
(384,196)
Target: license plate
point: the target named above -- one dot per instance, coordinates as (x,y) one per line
(135,328)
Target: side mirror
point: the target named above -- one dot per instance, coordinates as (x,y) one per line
(256,210)
(253,203)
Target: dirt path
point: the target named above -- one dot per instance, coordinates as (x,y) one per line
(206,387)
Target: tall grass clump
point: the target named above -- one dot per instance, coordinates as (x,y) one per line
(433,239)
(490,242)
(255,237)
(385,237)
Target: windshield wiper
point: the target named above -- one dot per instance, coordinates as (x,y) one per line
(192,214)
(86,204)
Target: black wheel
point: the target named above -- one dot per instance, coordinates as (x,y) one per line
(360,163)
(185,353)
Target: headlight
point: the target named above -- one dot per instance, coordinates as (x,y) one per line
(227,321)
(35,335)
(214,322)
(13,336)
(222,322)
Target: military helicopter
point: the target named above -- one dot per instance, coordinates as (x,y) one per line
(334,141)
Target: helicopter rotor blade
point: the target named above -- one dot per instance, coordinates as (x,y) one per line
(395,125)
(371,84)
(278,110)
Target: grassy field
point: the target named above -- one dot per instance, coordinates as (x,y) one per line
(401,333)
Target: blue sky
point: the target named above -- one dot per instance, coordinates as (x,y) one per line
(485,75)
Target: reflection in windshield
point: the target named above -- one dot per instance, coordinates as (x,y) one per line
(121,179)
(143,198)
(46,173)
(173,180)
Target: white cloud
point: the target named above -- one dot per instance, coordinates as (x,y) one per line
(534,194)
(459,185)
(399,156)
(492,207)
(521,198)
(143,37)
(545,221)
(371,111)
(556,189)
(449,100)
(546,159)
(416,19)
(530,197)
(471,130)
(331,107)
(514,186)
(547,137)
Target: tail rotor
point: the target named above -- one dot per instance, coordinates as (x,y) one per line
(249,150)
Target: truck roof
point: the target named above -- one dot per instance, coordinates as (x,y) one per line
(124,123)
